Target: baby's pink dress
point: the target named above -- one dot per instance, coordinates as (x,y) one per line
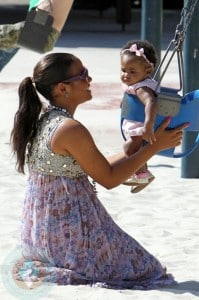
(133,128)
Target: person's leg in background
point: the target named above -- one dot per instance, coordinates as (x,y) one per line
(60,10)
(9,33)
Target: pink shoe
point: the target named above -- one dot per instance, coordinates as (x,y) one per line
(141,178)
(146,179)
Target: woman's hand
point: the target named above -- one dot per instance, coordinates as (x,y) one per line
(168,138)
(72,138)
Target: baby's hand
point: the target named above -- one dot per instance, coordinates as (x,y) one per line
(148,134)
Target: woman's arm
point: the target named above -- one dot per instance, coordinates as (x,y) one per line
(73,138)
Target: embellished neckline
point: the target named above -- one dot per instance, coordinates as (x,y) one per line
(52,107)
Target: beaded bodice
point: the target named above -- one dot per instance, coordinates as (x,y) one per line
(40,157)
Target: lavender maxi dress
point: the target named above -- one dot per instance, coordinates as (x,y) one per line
(68,237)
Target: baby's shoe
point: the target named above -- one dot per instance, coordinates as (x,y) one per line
(143,179)
(140,178)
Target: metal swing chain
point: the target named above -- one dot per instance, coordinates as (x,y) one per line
(186,16)
(176,44)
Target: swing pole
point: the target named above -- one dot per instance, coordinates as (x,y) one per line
(190,163)
(151,23)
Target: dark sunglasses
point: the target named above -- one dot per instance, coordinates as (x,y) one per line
(82,76)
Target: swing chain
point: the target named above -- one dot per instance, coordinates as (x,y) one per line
(181,29)
(175,46)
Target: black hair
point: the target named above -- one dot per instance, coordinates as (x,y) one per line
(50,70)
(149,50)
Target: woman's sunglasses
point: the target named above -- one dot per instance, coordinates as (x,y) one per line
(82,76)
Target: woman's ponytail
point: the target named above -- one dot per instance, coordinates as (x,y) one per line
(25,121)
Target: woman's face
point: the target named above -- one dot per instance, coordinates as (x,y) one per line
(79,82)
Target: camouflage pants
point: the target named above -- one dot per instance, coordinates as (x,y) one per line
(9,34)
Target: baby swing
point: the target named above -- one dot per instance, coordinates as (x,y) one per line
(171,102)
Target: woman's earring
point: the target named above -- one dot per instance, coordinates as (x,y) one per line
(66,94)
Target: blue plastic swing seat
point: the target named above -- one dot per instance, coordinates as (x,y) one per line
(133,109)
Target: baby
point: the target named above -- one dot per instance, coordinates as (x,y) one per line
(138,59)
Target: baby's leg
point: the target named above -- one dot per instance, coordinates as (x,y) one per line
(142,177)
(132,145)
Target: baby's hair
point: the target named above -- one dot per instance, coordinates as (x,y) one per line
(149,50)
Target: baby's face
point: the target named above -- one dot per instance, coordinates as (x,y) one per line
(133,69)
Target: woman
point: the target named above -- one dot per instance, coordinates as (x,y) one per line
(67,235)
